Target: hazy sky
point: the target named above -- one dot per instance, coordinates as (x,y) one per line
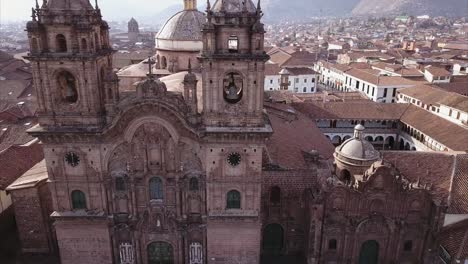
(14,10)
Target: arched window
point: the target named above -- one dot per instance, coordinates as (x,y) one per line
(408,246)
(332,244)
(233,200)
(156,189)
(163,62)
(68,87)
(61,43)
(84,45)
(193,184)
(120,184)
(275,195)
(78,200)
(233,44)
(34,45)
(345,176)
(96,41)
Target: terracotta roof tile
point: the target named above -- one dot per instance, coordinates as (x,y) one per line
(454,239)
(362,110)
(445,132)
(459,193)
(16,160)
(431,168)
(292,136)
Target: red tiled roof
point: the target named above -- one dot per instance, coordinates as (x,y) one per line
(459,193)
(301,71)
(16,160)
(454,238)
(435,71)
(272,69)
(300,59)
(460,87)
(294,134)
(445,132)
(15,133)
(430,168)
(360,110)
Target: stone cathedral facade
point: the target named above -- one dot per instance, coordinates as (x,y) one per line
(208,173)
(146,177)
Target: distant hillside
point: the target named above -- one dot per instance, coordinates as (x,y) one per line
(412,7)
(304,9)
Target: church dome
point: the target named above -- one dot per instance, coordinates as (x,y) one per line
(234,6)
(358,148)
(183,26)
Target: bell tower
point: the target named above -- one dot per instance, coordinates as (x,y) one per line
(232,62)
(71,59)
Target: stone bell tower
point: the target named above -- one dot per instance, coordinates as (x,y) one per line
(76,92)
(232,62)
(71,60)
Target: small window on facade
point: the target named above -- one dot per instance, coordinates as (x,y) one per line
(271,81)
(313,80)
(120,184)
(193,185)
(233,200)
(275,195)
(34,45)
(156,189)
(332,244)
(304,89)
(233,44)
(84,45)
(408,246)
(96,41)
(61,43)
(78,200)
(305,80)
(385,92)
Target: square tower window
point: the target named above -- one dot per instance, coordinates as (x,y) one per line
(233,44)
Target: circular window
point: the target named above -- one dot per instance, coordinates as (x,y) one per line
(234,159)
(72,159)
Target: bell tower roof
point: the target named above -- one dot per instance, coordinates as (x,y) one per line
(234,6)
(69,5)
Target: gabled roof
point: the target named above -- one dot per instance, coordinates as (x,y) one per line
(445,132)
(31,178)
(292,134)
(434,169)
(433,95)
(361,110)
(16,160)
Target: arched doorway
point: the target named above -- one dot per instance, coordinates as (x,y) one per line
(160,253)
(272,239)
(369,253)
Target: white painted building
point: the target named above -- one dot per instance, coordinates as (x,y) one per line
(300,80)
(436,75)
(448,105)
(377,88)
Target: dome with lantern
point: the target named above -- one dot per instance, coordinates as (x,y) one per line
(182,32)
